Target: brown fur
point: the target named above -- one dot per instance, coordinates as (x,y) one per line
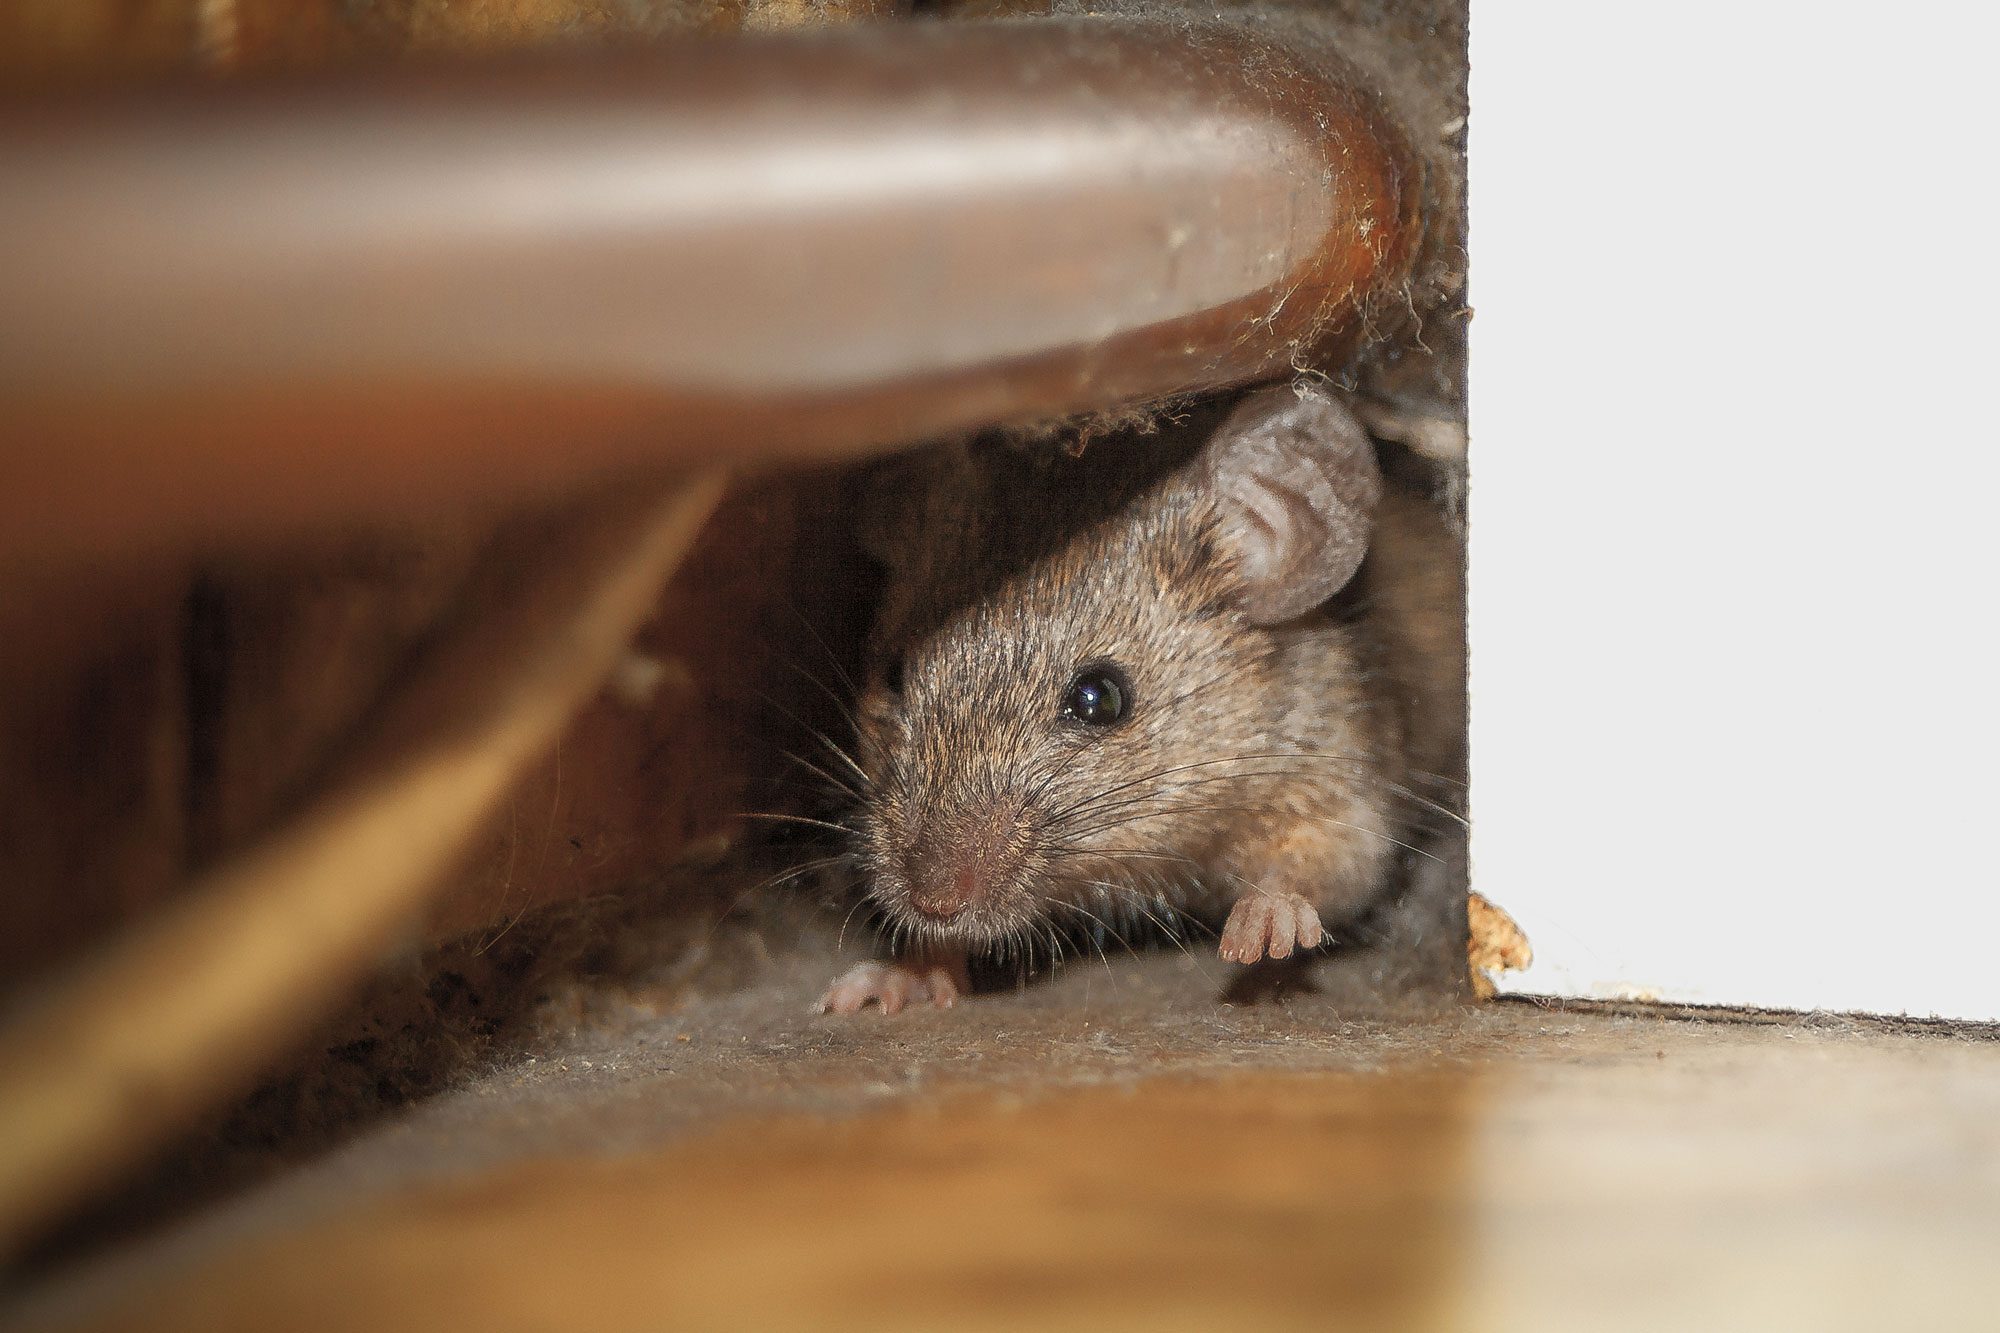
(1296,757)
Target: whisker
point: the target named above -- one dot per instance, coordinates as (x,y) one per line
(1095,812)
(1134,898)
(835,783)
(832,658)
(1086,912)
(861,900)
(1257,757)
(1157,774)
(789,874)
(795,819)
(1425,803)
(833,696)
(1268,810)
(833,747)
(1172,935)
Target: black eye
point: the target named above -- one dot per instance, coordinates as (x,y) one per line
(892,675)
(1099,696)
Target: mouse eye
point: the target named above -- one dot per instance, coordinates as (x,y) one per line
(892,676)
(1100,695)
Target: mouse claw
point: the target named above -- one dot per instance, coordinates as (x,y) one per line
(893,986)
(1270,925)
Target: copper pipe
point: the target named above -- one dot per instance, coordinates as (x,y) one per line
(236,308)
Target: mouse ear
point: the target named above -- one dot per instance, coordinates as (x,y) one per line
(1293,481)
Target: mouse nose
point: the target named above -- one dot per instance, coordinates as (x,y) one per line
(942,896)
(961,862)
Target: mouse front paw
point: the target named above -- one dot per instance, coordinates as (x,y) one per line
(893,986)
(1270,925)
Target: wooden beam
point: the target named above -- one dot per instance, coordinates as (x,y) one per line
(184,1010)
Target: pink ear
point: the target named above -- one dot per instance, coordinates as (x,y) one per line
(1294,483)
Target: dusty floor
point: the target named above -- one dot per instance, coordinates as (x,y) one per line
(1117,1148)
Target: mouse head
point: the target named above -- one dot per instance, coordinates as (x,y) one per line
(1070,665)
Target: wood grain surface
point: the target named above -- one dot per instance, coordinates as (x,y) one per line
(1016,1166)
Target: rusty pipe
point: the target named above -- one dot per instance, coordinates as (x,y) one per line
(237,308)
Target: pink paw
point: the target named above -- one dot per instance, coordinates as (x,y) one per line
(892,985)
(1269,925)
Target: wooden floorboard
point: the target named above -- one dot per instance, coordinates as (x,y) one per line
(1118,1150)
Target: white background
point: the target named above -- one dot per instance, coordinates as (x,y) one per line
(1734,507)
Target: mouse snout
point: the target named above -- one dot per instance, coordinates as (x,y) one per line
(962,861)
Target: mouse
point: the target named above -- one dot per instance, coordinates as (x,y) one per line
(1214,672)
